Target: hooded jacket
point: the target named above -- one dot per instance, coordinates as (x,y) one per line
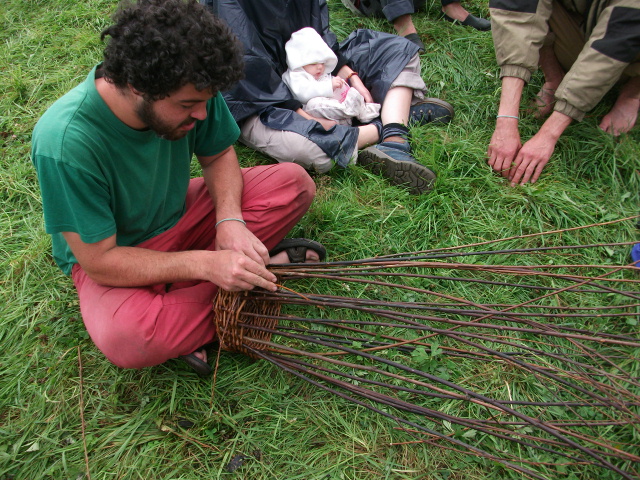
(611,31)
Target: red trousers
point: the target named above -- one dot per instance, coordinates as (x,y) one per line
(144,326)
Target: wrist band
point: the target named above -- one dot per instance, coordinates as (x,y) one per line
(507,116)
(351,75)
(227,219)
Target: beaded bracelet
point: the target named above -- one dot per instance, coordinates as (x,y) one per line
(227,219)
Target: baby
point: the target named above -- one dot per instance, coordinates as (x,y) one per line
(310,62)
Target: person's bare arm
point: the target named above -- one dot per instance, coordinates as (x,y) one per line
(239,263)
(224,181)
(505,142)
(109,264)
(354,80)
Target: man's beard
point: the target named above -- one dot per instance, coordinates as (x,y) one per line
(162,129)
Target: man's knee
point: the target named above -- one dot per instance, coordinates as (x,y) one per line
(134,346)
(136,328)
(298,180)
(125,345)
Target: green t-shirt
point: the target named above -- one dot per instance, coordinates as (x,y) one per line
(99,177)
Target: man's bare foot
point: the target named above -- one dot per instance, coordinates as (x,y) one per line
(622,116)
(456,11)
(201,354)
(198,361)
(553,75)
(282,257)
(544,101)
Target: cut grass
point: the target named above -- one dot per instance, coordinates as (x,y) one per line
(261,421)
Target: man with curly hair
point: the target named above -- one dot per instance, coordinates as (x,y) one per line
(146,245)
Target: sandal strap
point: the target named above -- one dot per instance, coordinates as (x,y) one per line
(296,249)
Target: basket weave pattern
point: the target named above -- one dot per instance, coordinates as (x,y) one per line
(233,310)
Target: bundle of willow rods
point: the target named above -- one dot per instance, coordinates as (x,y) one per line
(555,372)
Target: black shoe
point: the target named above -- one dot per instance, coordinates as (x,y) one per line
(353,5)
(394,161)
(430,110)
(415,38)
(478,23)
(364,8)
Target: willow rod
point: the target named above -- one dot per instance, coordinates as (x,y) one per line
(622,405)
(390,402)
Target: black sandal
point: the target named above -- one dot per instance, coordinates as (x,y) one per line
(201,367)
(296,249)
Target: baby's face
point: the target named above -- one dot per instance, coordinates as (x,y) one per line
(314,69)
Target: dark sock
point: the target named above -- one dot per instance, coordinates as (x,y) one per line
(378,123)
(394,130)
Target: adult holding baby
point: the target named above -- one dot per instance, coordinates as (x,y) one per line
(384,68)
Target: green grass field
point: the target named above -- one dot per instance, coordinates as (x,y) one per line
(59,396)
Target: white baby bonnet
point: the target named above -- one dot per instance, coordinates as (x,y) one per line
(306,47)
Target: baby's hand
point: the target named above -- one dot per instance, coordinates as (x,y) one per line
(338,82)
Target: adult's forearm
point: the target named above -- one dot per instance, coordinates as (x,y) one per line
(505,141)
(510,96)
(555,126)
(136,267)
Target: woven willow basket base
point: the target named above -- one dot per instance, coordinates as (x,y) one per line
(233,310)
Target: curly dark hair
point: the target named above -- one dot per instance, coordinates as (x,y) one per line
(158,46)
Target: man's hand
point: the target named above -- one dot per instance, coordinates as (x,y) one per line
(504,146)
(531,159)
(535,154)
(233,271)
(233,235)
(325,122)
(522,164)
